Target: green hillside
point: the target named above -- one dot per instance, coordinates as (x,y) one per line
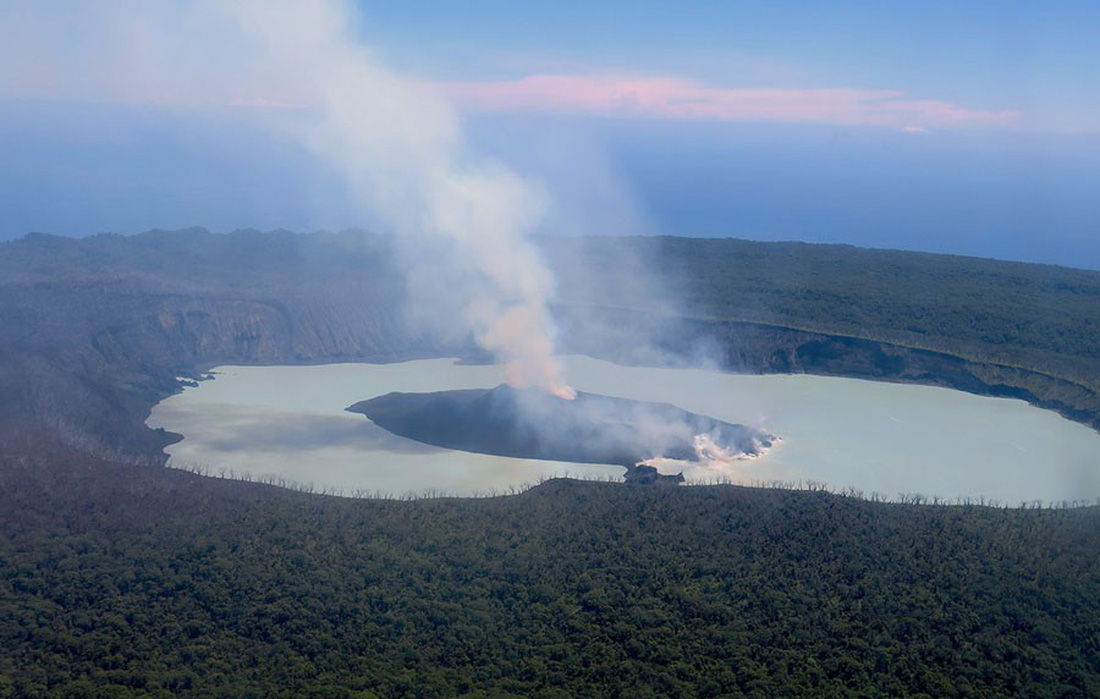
(128,583)
(119,578)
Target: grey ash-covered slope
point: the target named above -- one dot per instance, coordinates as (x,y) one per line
(529,423)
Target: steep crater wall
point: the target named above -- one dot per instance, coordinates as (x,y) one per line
(768,349)
(94,332)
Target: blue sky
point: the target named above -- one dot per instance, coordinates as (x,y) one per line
(1039,57)
(969,128)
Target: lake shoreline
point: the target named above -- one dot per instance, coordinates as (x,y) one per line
(813,398)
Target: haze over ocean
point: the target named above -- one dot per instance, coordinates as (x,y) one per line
(970,129)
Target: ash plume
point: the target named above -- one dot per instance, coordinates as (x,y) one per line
(463,220)
(298,70)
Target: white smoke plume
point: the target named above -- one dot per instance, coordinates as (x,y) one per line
(298,68)
(403,151)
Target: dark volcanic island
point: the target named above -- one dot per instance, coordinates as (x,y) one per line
(532,424)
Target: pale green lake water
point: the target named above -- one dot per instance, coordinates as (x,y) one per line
(289,422)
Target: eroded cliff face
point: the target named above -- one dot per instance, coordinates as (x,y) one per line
(767,348)
(184,331)
(93,386)
(94,332)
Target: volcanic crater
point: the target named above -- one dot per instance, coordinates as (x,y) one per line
(532,424)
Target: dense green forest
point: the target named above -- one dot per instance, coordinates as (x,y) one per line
(1040,317)
(121,578)
(131,582)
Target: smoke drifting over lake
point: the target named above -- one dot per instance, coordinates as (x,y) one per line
(462,220)
(301,72)
(590,428)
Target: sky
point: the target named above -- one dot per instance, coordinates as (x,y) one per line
(966,128)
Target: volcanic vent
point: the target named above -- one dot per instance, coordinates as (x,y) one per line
(532,424)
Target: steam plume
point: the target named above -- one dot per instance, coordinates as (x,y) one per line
(403,151)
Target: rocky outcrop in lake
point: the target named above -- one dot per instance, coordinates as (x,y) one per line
(95,331)
(532,424)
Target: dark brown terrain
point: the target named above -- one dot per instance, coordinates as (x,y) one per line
(532,424)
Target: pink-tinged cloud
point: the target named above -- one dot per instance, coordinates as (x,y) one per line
(671,98)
